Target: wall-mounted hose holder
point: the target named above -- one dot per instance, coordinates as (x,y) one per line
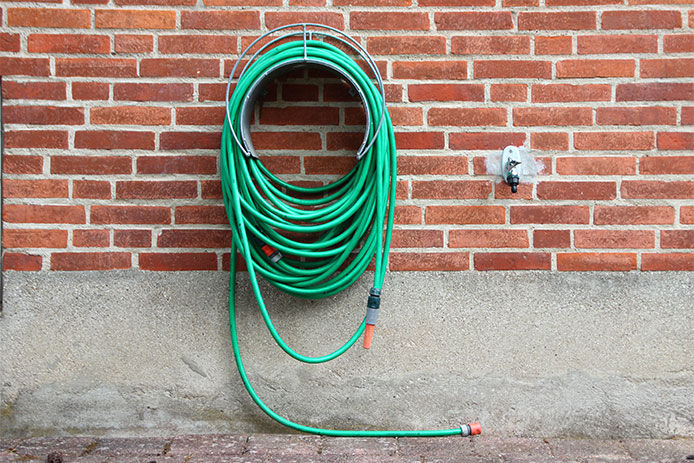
(272,219)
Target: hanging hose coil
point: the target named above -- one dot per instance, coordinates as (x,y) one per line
(310,242)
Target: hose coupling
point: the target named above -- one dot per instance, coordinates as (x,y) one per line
(470,429)
(372,306)
(272,253)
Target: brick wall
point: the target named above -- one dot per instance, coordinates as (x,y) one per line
(112,112)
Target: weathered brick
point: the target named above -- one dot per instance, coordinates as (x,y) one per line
(48,17)
(130,115)
(550,214)
(68,43)
(130,215)
(28,238)
(77,261)
(667,261)
(91,165)
(178,261)
(474,20)
(34,213)
(134,19)
(420,261)
(464,214)
(634,215)
(596,261)
(451,189)
(613,239)
(494,238)
(391,20)
(513,261)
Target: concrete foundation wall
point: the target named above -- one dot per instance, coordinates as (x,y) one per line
(527,354)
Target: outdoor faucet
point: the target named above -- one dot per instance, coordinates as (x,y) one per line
(510,159)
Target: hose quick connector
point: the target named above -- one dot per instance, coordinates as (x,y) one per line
(272,253)
(470,429)
(372,306)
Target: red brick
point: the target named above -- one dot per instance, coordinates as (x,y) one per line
(211,189)
(372,2)
(197,44)
(163,189)
(406,45)
(133,43)
(194,239)
(641,19)
(513,69)
(156,2)
(659,165)
(567,92)
(334,165)
(114,139)
(519,3)
(134,19)
(130,215)
(24,238)
(90,260)
(409,215)
(559,20)
(429,261)
(130,115)
(200,115)
(679,239)
(432,165)
(24,66)
(614,140)
(179,67)
(508,92)
(464,214)
(677,67)
(282,18)
(577,190)
(490,45)
(634,215)
(242,2)
(68,43)
(675,140)
(427,70)
(411,238)
(132,238)
(503,191)
(21,262)
(41,188)
(549,141)
(488,239)
(400,116)
(687,214)
(513,261)
(456,2)
(90,238)
(419,140)
(152,92)
(48,17)
(286,141)
(36,139)
(451,189)
(646,115)
(612,239)
(90,91)
(607,44)
(657,189)
(33,90)
(552,239)
(485,140)
(391,20)
(34,213)
(538,116)
(667,261)
(300,115)
(42,115)
(596,165)
(467,116)
(281,164)
(91,165)
(688,115)
(297,92)
(474,20)
(550,214)
(591,68)
(583,2)
(22,164)
(91,189)
(201,215)
(95,67)
(9,42)
(655,91)
(178,261)
(204,165)
(596,261)
(554,45)
(679,43)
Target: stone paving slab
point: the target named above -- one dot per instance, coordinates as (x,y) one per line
(293,448)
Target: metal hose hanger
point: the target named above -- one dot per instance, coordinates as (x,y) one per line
(307,33)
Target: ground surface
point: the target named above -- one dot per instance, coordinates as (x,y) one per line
(287,448)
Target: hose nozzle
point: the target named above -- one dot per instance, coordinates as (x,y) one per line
(372,305)
(470,429)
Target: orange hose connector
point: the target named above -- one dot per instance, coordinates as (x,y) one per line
(368,336)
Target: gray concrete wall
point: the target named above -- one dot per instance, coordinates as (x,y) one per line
(527,354)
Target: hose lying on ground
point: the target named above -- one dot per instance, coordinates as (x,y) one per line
(311,242)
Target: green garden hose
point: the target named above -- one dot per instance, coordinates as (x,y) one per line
(310,242)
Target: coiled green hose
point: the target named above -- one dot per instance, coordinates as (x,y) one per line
(327,235)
